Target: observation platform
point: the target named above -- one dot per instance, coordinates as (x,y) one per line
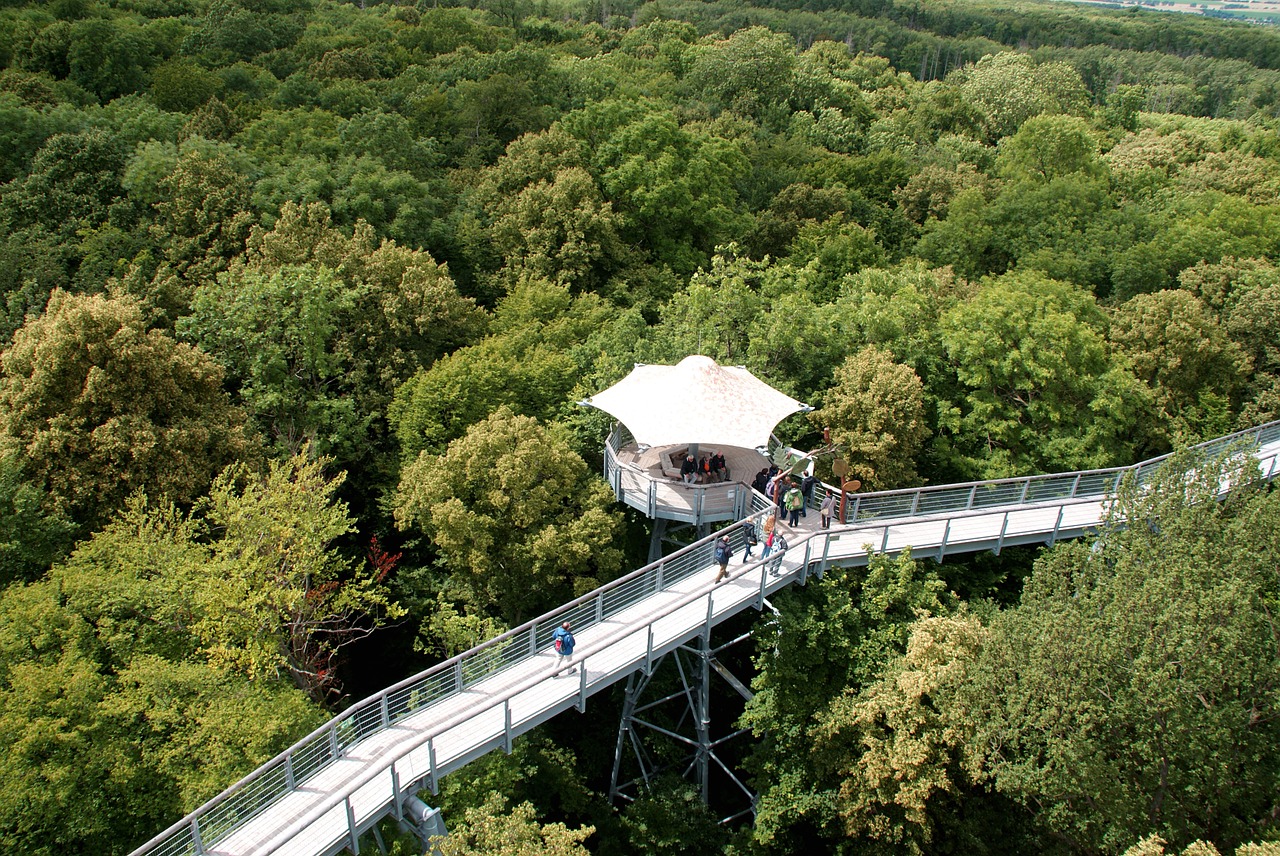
(319,796)
(645,479)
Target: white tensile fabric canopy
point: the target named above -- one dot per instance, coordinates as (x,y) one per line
(696,401)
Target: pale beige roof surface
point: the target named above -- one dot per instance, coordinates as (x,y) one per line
(696,401)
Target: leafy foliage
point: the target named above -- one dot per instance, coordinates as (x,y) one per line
(96,406)
(518,519)
(987,239)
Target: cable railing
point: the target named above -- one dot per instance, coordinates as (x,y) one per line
(944,499)
(295,765)
(285,773)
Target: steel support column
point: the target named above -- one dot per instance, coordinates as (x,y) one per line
(694,665)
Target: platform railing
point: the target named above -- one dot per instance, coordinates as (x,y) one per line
(285,773)
(288,770)
(692,503)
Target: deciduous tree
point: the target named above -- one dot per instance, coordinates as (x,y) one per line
(95,406)
(494,830)
(518,519)
(1038,389)
(1132,688)
(875,410)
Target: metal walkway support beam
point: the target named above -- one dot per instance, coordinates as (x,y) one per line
(694,666)
(423,821)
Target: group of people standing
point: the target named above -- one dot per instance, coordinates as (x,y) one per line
(790,498)
(706,470)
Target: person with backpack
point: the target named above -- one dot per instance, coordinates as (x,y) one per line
(563,639)
(793,502)
(723,554)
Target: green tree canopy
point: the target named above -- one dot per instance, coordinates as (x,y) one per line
(518,519)
(1038,389)
(875,410)
(1193,369)
(834,636)
(97,406)
(492,829)
(1129,689)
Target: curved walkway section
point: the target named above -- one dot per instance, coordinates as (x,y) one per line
(321,794)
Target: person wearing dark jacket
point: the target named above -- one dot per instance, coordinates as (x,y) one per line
(723,555)
(689,470)
(807,485)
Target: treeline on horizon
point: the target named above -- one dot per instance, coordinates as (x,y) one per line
(299,299)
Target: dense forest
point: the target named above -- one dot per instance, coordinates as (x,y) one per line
(299,296)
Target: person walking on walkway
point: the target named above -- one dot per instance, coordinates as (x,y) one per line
(770,524)
(780,547)
(723,554)
(749,535)
(564,642)
(828,507)
(793,502)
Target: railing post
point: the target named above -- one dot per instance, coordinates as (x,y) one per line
(195,835)
(506,726)
(384,709)
(973,492)
(457,676)
(764,577)
(1022,497)
(648,652)
(915,503)
(857,504)
(599,608)
(289,780)
(431,766)
(1075,486)
(1053,539)
(395,791)
(333,740)
(826,551)
(533,639)
(351,827)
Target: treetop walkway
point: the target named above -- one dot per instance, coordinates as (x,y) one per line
(317,797)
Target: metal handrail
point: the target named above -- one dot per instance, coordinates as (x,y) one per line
(289,769)
(911,502)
